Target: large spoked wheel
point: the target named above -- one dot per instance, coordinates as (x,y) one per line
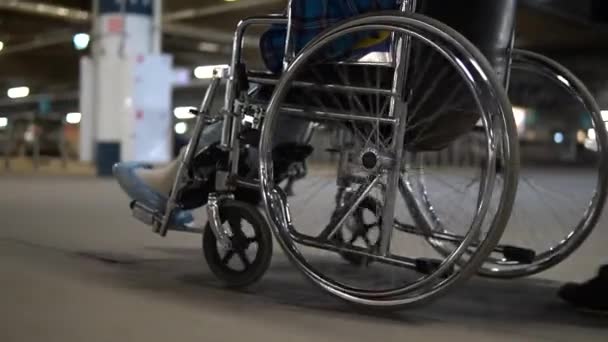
(382,111)
(563,174)
(560,198)
(248,257)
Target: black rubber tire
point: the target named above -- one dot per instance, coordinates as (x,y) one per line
(232,278)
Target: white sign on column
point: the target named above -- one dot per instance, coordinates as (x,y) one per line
(148,130)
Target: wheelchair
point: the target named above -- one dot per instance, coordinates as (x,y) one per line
(362,214)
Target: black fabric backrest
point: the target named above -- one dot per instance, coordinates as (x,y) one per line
(488,24)
(441,106)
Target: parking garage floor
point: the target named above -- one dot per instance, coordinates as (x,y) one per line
(74,266)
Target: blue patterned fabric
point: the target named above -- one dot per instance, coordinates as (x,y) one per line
(310,18)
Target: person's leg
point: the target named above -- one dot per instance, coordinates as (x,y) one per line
(151,186)
(591,295)
(161,179)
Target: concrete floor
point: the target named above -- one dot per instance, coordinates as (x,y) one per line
(74,266)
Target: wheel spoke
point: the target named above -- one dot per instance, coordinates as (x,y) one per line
(353,238)
(244,258)
(236,226)
(367,241)
(226,259)
(235,222)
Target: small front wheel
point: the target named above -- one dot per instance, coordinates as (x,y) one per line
(248,257)
(363,230)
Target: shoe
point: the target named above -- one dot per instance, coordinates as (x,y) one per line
(589,296)
(140,192)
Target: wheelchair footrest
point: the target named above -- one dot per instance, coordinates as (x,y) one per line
(518,254)
(429,266)
(144,214)
(154,218)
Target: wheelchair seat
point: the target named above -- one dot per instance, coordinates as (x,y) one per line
(491,29)
(440,111)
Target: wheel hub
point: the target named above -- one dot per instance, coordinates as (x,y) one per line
(239,243)
(369,159)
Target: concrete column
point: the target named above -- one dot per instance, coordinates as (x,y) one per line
(132,86)
(87,109)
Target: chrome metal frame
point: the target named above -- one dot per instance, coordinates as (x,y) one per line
(551,70)
(230,129)
(183,170)
(496,116)
(430,225)
(494,120)
(222,233)
(399,110)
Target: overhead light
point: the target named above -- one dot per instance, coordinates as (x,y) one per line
(520,116)
(81,41)
(181,76)
(3,122)
(73,118)
(604,114)
(183,113)
(180,128)
(209,47)
(1,45)
(558,137)
(206,72)
(581,136)
(18,92)
(28,135)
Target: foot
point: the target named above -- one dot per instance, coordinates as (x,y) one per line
(591,295)
(128,175)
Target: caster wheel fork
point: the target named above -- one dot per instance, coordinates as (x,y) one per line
(245,259)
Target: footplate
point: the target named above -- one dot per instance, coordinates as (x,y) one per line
(145,215)
(154,218)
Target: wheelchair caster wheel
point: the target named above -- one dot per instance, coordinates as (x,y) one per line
(361,230)
(250,251)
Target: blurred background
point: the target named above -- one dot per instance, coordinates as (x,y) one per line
(87,83)
(47,70)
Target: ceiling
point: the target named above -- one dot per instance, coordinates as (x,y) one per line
(38,50)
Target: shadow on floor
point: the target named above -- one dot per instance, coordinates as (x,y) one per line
(518,302)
